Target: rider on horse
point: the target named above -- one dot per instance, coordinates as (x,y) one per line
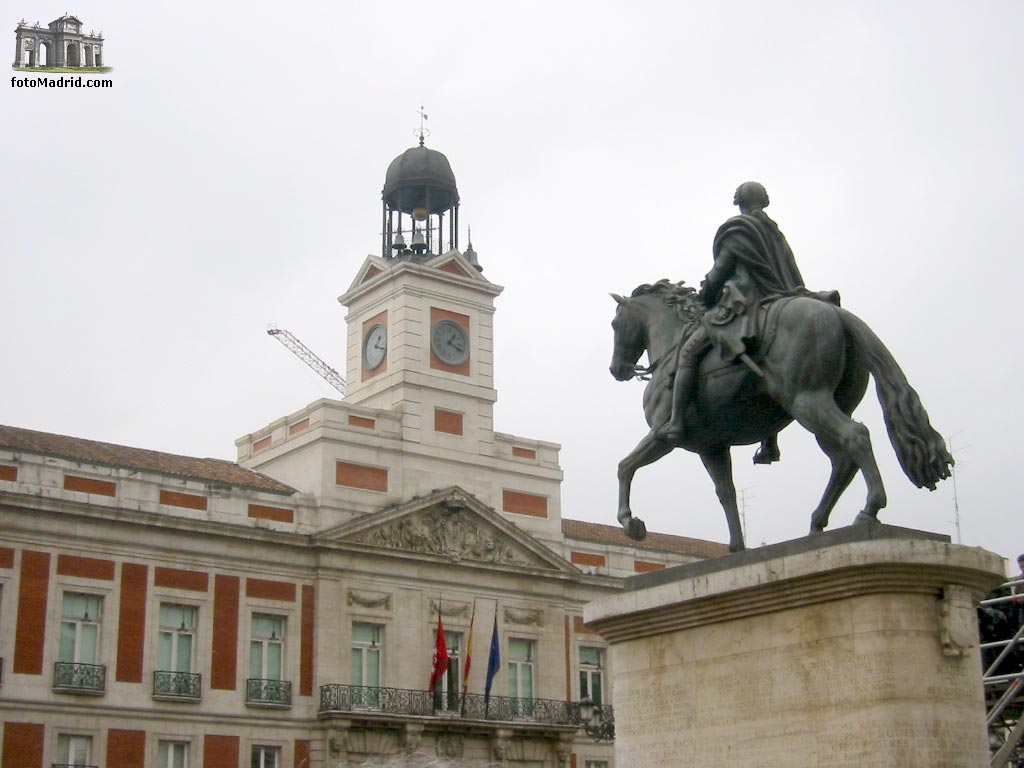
(753,262)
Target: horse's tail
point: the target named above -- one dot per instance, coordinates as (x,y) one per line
(920,449)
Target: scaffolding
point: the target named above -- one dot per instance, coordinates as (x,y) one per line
(1004,674)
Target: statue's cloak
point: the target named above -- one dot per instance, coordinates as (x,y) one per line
(753,264)
(761,249)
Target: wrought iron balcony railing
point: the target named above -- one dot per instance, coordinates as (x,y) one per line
(71,765)
(177,685)
(399,701)
(72,677)
(271,692)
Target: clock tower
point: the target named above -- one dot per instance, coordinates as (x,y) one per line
(420,338)
(418,413)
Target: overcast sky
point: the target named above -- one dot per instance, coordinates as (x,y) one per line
(232,178)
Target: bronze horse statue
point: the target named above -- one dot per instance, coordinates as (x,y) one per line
(813,361)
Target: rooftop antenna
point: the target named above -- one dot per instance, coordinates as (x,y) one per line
(743,510)
(956,496)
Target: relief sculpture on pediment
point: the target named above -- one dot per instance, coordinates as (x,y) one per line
(449,533)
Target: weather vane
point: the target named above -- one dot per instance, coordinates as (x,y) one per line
(423,131)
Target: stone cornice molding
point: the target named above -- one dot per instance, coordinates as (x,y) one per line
(681,598)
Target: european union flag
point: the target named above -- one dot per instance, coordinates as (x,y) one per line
(493,662)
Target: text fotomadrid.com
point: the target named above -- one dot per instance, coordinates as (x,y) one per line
(60,82)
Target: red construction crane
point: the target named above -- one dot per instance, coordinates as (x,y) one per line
(306,355)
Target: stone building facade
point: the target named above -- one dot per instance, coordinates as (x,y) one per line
(60,44)
(159,610)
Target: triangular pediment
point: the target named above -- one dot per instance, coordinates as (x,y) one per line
(454,526)
(373,266)
(456,264)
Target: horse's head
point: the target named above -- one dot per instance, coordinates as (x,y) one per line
(650,319)
(630,331)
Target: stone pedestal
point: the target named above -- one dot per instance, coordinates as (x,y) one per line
(853,649)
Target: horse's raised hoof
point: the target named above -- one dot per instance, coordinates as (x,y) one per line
(762,456)
(635,528)
(863,518)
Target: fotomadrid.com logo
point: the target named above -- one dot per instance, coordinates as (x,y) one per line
(59,47)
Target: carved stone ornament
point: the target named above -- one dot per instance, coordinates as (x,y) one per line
(450,746)
(369,599)
(450,532)
(957,621)
(450,608)
(524,617)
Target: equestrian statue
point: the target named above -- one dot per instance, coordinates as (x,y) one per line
(752,351)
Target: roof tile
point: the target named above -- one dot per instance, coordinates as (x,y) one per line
(663,542)
(108,454)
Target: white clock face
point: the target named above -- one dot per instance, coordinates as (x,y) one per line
(375,346)
(449,342)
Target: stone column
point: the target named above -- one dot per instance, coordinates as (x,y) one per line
(17,49)
(853,648)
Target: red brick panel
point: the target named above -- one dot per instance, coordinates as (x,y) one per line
(224,661)
(23,745)
(306,644)
(568,658)
(362,421)
(90,485)
(366,373)
(521,503)
(436,316)
(643,566)
(362,477)
(580,628)
(586,558)
(7,472)
(298,426)
(6,557)
(301,753)
(85,567)
(220,751)
(447,421)
(280,514)
(263,442)
(126,749)
(131,623)
(270,590)
(197,581)
(30,634)
(187,500)
(454,268)
(524,453)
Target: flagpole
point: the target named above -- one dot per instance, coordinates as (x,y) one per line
(468,660)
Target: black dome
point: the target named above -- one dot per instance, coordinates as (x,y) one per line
(417,176)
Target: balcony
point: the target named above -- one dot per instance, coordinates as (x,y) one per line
(177,686)
(335,698)
(71,765)
(268,693)
(72,677)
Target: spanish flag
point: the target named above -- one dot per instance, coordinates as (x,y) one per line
(440,655)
